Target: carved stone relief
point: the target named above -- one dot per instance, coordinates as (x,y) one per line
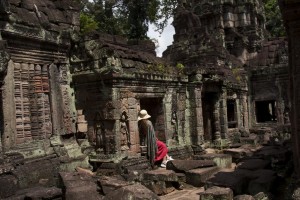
(33,112)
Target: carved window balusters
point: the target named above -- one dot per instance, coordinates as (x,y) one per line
(33,119)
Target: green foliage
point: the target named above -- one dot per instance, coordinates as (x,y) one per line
(87,23)
(129,17)
(274,23)
(180,67)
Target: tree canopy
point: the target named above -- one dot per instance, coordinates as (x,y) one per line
(274,23)
(125,17)
(131,18)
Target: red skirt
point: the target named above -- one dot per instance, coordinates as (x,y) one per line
(162,151)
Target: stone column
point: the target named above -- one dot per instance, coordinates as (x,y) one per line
(9,112)
(167,102)
(133,109)
(245,113)
(223,114)
(199,115)
(291,16)
(56,101)
(238,112)
(216,116)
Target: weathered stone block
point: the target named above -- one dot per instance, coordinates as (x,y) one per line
(217,193)
(254,164)
(79,186)
(186,165)
(221,160)
(264,182)
(237,181)
(9,185)
(197,177)
(244,197)
(136,191)
(160,175)
(159,187)
(109,184)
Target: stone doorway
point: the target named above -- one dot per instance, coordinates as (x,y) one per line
(265,111)
(231,113)
(154,107)
(208,101)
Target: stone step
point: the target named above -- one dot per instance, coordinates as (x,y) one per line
(217,193)
(254,164)
(221,160)
(186,165)
(37,193)
(197,177)
(160,175)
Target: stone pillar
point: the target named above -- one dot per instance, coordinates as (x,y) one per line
(167,102)
(223,114)
(280,111)
(9,112)
(245,113)
(56,101)
(216,116)
(133,109)
(199,115)
(238,112)
(291,16)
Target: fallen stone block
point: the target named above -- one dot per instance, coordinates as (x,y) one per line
(264,182)
(79,186)
(221,160)
(237,181)
(197,177)
(217,193)
(237,153)
(109,184)
(160,175)
(186,165)
(254,164)
(136,192)
(44,193)
(8,186)
(159,187)
(244,197)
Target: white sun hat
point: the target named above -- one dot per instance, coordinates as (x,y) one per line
(143,115)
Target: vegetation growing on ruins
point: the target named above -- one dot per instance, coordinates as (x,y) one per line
(274,23)
(129,18)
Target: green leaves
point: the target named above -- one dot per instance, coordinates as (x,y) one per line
(274,23)
(87,23)
(130,18)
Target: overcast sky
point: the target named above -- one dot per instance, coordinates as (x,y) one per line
(164,40)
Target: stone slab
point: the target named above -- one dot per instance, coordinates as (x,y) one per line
(79,186)
(254,164)
(136,192)
(217,193)
(186,165)
(237,181)
(109,184)
(160,175)
(221,160)
(197,177)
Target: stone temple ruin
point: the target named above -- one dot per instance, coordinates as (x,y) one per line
(71,102)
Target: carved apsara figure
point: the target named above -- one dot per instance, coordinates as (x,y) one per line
(125,135)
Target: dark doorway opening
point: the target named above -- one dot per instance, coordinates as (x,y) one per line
(208,101)
(231,113)
(265,111)
(154,107)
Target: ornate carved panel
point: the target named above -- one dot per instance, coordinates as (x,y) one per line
(33,118)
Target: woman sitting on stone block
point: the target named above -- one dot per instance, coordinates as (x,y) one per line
(157,151)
